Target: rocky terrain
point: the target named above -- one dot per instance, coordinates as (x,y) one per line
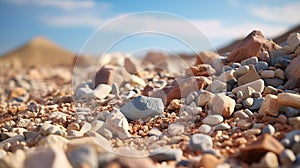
(235,110)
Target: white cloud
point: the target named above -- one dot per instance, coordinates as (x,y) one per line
(288,13)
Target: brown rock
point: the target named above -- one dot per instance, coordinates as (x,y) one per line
(270,105)
(223,105)
(250,76)
(255,151)
(292,70)
(135,162)
(257,85)
(155,58)
(109,74)
(253,45)
(17,92)
(209,161)
(131,66)
(289,99)
(207,57)
(200,70)
(181,88)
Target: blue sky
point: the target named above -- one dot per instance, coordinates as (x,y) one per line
(72,24)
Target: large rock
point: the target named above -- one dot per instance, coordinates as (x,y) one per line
(257,85)
(289,99)
(253,45)
(143,107)
(181,88)
(207,57)
(270,105)
(117,121)
(223,105)
(255,151)
(292,70)
(109,74)
(201,142)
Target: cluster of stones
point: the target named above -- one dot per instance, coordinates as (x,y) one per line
(236,110)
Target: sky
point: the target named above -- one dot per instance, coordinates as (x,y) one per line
(95,27)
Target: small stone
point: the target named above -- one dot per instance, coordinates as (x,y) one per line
(250,76)
(222,127)
(33,107)
(204,98)
(84,92)
(135,80)
(223,105)
(209,161)
(241,70)
(244,125)
(73,126)
(176,129)
(293,41)
(257,85)
(117,121)
(83,156)
(269,129)
(174,104)
(17,92)
(166,154)
(86,127)
(287,157)
(275,82)
(279,74)
(212,119)
(261,65)
(200,142)
(189,99)
(131,65)
(270,90)
(264,56)
(106,133)
(270,105)
(256,104)
(239,94)
(240,114)
(251,60)
(102,91)
(200,70)
(267,74)
(289,99)
(282,119)
(256,95)
(204,129)
(248,102)
(129,162)
(248,112)
(295,122)
(268,160)
(142,107)
(53,141)
(109,74)
(115,89)
(155,131)
(217,86)
(265,144)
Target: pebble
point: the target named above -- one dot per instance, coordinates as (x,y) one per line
(115,89)
(287,157)
(222,127)
(155,131)
(279,74)
(200,142)
(86,127)
(33,106)
(244,125)
(166,154)
(204,98)
(258,125)
(289,99)
(267,74)
(268,129)
(106,133)
(84,92)
(293,41)
(142,107)
(241,70)
(248,102)
(256,95)
(217,86)
(251,60)
(117,121)
(223,105)
(212,119)
(261,65)
(102,91)
(256,104)
(250,76)
(240,114)
(83,156)
(268,160)
(257,85)
(275,82)
(209,161)
(204,129)
(190,97)
(248,112)
(270,90)
(176,129)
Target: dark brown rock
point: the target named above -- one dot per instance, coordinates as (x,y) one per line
(253,45)
(181,88)
(109,74)
(255,151)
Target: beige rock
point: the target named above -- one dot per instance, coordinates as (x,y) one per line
(17,92)
(53,140)
(98,142)
(270,105)
(102,91)
(257,85)
(289,99)
(47,157)
(204,98)
(135,80)
(267,74)
(209,161)
(293,41)
(268,160)
(207,57)
(292,70)
(251,46)
(250,76)
(13,159)
(223,105)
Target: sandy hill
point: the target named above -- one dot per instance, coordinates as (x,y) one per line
(279,39)
(38,51)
